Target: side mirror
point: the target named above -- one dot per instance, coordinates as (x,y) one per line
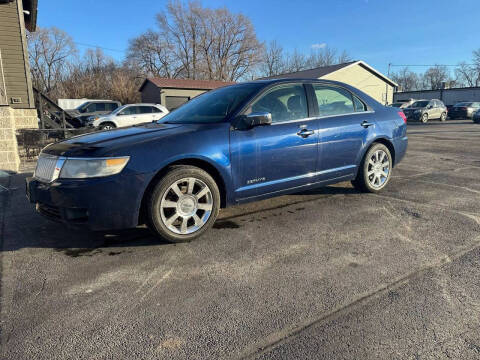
(429,106)
(258,119)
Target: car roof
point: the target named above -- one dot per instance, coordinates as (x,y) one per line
(143,104)
(288,80)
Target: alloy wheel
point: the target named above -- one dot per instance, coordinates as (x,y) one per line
(186,205)
(378,169)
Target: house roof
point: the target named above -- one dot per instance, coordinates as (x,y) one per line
(186,83)
(319,72)
(31,17)
(314,73)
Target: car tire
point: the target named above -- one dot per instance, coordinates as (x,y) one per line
(183,204)
(443,117)
(107,126)
(424,118)
(372,177)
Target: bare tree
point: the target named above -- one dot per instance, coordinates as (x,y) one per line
(406,79)
(273,60)
(276,61)
(435,76)
(197,43)
(98,76)
(152,55)
(467,75)
(49,51)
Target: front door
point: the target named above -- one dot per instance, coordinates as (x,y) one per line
(345,124)
(271,158)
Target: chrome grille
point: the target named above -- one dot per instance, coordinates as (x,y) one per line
(45,167)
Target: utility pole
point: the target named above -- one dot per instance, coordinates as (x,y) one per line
(386,85)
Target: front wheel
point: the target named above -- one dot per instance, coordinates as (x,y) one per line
(424,118)
(375,171)
(183,204)
(107,126)
(443,117)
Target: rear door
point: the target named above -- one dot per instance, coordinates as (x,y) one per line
(345,124)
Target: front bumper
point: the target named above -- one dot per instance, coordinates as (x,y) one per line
(107,203)
(413,116)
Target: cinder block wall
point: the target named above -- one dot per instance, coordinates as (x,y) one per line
(11,120)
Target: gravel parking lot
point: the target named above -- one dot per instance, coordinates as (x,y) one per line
(326,274)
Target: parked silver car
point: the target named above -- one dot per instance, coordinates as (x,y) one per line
(424,110)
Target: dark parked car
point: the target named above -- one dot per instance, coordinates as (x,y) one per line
(476,117)
(463,110)
(231,145)
(91,109)
(424,110)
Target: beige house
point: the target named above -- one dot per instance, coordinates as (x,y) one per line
(17,106)
(172,93)
(356,73)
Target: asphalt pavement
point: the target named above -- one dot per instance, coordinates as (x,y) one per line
(325,274)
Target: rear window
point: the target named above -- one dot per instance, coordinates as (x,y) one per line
(463,104)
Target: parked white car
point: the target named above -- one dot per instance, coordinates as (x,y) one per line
(130,114)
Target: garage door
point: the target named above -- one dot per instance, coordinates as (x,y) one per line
(173,102)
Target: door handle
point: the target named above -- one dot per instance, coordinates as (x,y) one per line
(304,133)
(366,124)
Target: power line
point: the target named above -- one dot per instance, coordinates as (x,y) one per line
(419,65)
(100,47)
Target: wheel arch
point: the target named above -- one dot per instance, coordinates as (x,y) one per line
(197,162)
(381,140)
(109,121)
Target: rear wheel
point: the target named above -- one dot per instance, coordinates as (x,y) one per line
(443,117)
(183,204)
(375,171)
(424,118)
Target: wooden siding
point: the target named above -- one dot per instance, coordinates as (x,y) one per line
(361,78)
(12,46)
(150,93)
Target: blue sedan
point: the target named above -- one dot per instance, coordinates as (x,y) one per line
(232,145)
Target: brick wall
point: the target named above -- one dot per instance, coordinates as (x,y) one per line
(11,120)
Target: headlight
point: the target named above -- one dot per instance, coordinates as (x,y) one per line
(94,167)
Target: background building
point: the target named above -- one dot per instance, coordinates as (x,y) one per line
(17,106)
(174,92)
(356,73)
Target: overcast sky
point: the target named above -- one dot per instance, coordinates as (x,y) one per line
(376,31)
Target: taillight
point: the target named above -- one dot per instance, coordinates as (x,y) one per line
(402,115)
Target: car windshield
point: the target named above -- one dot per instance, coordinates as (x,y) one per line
(213,106)
(81,105)
(419,104)
(117,110)
(463,104)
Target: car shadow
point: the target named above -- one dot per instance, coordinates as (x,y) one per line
(21,227)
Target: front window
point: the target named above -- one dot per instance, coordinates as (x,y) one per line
(213,106)
(285,102)
(419,104)
(130,110)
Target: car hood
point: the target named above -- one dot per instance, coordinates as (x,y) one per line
(72,112)
(103,143)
